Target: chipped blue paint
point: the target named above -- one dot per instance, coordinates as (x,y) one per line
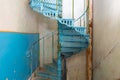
(15,57)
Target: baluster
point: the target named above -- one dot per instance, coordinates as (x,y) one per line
(41,5)
(80,21)
(73,9)
(43,51)
(57,8)
(59,63)
(87,17)
(31,60)
(52,45)
(84,18)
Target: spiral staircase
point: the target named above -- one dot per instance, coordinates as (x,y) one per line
(71,39)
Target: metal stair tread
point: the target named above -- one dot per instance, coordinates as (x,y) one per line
(51,3)
(67,40)
(69,28)
(72,34)
(51,8)
(48,75)
(40,78)
(52,65)
(73,38)
(73,44)
(43,72)
(70,49)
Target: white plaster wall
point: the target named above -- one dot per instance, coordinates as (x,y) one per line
(78,9)
(76,67)
(106,50)
(16,15)
(67,8)
(46,26)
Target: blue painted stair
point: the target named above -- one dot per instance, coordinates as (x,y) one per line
(71,39)
(48,72)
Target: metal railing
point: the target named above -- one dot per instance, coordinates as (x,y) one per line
(46,40)
(48,44)
(53,9)
(83,18)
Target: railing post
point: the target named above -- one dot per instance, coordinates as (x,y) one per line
(31,60)
(80,22)
(52,46)
(59,66)
(57,8)
(73,9)
(84,18)
(87,16)
(43,51)
(42,6)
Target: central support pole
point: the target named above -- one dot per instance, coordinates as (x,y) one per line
(59,66)
(64,68)
(59,61)
(73,9)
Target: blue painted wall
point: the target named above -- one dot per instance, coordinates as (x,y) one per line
(15,57)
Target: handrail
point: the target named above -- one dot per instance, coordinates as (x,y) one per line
(48,35)
(59,10)
(83,13)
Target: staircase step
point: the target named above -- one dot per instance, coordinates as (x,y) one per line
(38,77)
(41,78)
(51,3)
(35,4)
(53,8)
(67,54)
(64,27)
(48,75)
(48,9)
(74,38)
(51,68)
(55,61)
(73,44)
(71,32)
(64,22)
(74,50)
(50,14)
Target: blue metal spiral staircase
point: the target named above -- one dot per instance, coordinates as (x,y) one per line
(71,39)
